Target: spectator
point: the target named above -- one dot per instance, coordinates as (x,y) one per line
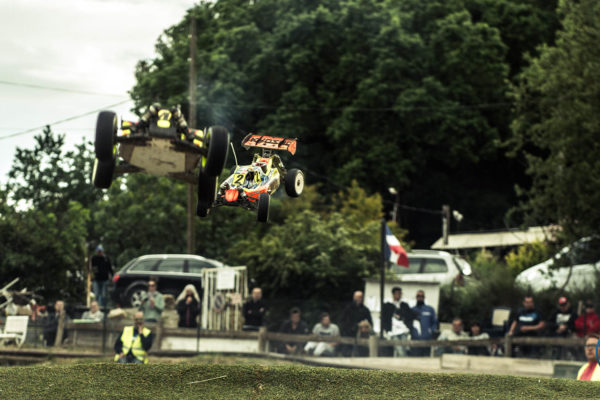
(398,320)
(94,312)
(153,302)
(590,371)
(364,331)
(102,271)
(51,326)
(355,312)
(476,334)
(427,324)
(293,326)
(254,311)
(527,322)
(456,333)
(562,324)
(588,322)
(188,307)
(323,328)
(133,343)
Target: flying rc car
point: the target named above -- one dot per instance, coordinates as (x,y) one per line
(160,143)
(251,186)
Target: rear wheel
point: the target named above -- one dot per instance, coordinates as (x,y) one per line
(102,174)
(263,207)
(135,294)
(207,193)
(218,147)
(294,182)
(106,133)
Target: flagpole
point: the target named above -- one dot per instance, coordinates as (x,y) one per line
(382,278)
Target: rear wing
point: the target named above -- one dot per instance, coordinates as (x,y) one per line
(269,142)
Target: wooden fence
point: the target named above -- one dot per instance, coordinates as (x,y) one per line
(94,334)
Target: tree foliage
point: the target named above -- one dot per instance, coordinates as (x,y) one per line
(558,125)
(410,94)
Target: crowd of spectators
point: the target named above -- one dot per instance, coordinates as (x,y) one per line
(400,322)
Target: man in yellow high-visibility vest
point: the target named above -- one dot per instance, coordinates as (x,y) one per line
(134,342)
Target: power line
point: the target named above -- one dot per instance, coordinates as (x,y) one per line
(63,120)
(29,85)
(362,109)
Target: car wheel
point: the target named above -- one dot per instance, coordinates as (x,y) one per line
(263,207)
(218,147)
(207,193)
(106,133)
(102,174)
(294,182)
(135,295)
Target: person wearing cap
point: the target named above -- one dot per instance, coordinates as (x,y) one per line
(562,323)
(588,322)
(102,271)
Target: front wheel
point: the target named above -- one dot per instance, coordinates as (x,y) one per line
(294,182)
(218,147)
(102,174)
(263,207)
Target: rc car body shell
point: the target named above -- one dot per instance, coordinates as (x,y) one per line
(249,181)
(162,156)
(159,144)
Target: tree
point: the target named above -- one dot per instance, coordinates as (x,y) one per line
(411,94)
(46,217)
(557,125)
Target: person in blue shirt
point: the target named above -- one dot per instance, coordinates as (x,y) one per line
(428,325)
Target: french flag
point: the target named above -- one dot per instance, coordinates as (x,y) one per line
(394,252)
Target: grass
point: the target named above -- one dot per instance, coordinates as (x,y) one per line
(251,379)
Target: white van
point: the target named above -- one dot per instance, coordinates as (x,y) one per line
(432,266)
(579,263)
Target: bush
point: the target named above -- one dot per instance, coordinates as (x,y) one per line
(491,285)
(526,256)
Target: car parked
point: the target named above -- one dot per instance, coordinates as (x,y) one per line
(432,266)
(174,271)
(575,267)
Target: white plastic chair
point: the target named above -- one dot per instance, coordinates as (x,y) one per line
(15,328)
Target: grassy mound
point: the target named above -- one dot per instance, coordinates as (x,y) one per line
(173,381)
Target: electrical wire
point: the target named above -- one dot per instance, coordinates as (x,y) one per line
(59,89)
(63,120)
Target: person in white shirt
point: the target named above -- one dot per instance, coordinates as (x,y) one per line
(94,312)
(456,333)
(323,328)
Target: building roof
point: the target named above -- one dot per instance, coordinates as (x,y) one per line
(512,237)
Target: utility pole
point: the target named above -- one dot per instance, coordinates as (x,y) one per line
(445,222)
(191,234)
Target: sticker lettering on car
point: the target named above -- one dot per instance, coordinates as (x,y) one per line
(164,119)
(238,179)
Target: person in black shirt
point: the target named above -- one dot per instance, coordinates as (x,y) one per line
(562,324)
(188,307)
(398,320)
(293,326)
(527,322)
(102,270)
(354,313)
(254,311)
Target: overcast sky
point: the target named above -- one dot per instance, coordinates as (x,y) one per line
(87,46)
